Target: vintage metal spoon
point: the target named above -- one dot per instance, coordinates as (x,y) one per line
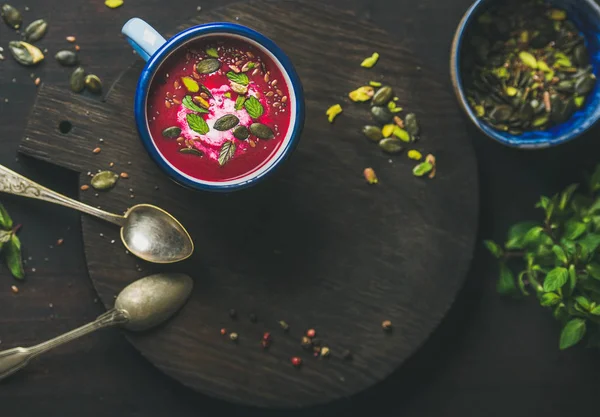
(144,304)
(147,231)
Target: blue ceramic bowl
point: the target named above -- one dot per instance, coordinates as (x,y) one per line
(151,46)
(586,15)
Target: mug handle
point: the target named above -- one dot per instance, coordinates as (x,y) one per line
(142,37)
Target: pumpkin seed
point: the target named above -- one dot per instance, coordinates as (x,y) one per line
(25,53)
(391,145)
(261,131)
(422,169)
(191,151)
(585,85)
(388,130)
(229,121)
(171,132)
(12,17)
(501,113)
(381,114)
(77,80)
(373,133)
(208,66)
(104,180)
(36,30)
(93,83)
(402,134)
(411,124)
(241,132)
(581,56)
(67,58)
(382,96)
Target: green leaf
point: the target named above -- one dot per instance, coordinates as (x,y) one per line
(212,52)
(253,107)
(590,242)
(493,248)
(566,195)
(594,270)
(595,180)
(197,124)
(226,152)
(13,258)
(556,279)
(560,312)
(572,277)
(595,311)
(543,203)
(583,205)
(549,299)
(5,221)
(516,234)
(506,282)
(240,78)
(583,302)
(573,229)
(5,236)
(572,333)
(239,102)
(189,103)
(560,254)
(532,236)
(521,283)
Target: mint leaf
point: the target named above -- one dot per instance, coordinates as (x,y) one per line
(506,282)
(494,249)
(583,302)
(590,242)
(13,258)
(573,229)
(572,333)
(549,299)
(240,78)
(572,277)
(189,103)
(556,279)
(595,311)
(595,180)
(560,254)
(516,234)
(5,221)
(253,107)
(594,270)
(239,102)
(533,236)
(197,124)
(565,197)
(226,152)
(521,282)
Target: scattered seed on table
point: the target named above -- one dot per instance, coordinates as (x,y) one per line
(37,81)
(112,241)
(306,343)
(60,242)
(233,336)
(386,325)
(296,361)
(311,333)
(284,325)
(325,352)
(85,187)
(124,175)
(97,150)
(111,164)
(70,39)
(15,289)
(370,176)
(223,331)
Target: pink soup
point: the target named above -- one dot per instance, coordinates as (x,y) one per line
(218,109)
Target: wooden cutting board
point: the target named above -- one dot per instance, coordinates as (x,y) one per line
(315,246)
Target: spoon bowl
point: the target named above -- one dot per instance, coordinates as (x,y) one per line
(155,236)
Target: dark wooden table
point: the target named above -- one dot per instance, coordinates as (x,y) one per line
(490,356)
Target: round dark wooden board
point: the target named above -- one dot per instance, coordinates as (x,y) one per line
(315,246)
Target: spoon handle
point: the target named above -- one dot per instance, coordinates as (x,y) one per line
(13,183)
(15,359)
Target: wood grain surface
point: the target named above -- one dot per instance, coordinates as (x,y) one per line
(316,246)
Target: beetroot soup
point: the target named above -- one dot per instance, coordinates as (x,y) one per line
(218,109)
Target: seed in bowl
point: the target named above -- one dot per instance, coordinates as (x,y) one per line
(526,67)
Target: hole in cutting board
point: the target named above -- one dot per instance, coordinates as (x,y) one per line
(65,126)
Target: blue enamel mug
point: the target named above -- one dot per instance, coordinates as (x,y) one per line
(155,50)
